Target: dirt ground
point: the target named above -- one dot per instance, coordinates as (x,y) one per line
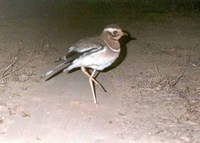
(153,94)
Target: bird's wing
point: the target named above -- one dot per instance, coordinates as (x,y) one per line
(86,44)
(84,47)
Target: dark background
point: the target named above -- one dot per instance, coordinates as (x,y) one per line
(84,15)
(83,12)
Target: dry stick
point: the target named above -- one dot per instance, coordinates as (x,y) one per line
(158,71)
(183,96)
(8,67)
(19,68)
(189,57)
(191,105)
(194,65)
(167,81)
(173,83)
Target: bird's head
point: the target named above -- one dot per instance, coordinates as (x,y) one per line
(113,32)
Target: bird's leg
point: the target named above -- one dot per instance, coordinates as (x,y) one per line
(84,70)
(92,86)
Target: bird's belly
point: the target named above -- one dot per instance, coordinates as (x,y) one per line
(97,61)
(100,65)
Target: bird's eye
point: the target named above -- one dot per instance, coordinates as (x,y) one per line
(115,32)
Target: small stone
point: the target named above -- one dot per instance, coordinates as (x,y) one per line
(110,122)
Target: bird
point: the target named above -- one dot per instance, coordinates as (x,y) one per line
(91,53)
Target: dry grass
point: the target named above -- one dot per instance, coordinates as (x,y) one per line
(20,63)
(187,96)
(165,81)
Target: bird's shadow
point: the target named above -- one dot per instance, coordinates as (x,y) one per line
(123,41)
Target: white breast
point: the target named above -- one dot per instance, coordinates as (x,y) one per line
(98,61)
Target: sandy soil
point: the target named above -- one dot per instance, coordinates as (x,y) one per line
(153,94)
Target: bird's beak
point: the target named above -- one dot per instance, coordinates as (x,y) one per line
(125,33)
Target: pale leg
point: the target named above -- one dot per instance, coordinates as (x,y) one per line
(92,86)
(92,78)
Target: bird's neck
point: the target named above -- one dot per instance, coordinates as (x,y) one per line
(113,44)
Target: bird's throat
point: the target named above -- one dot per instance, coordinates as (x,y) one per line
(113,45)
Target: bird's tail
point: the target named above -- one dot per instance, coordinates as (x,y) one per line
(57,69)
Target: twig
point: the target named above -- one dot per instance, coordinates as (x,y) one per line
(158,71)
(173,83)
(8,67)
(19,68)
(194,65)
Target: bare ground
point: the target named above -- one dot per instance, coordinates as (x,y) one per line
(153,95)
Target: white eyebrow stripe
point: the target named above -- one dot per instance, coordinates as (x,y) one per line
(110,29)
